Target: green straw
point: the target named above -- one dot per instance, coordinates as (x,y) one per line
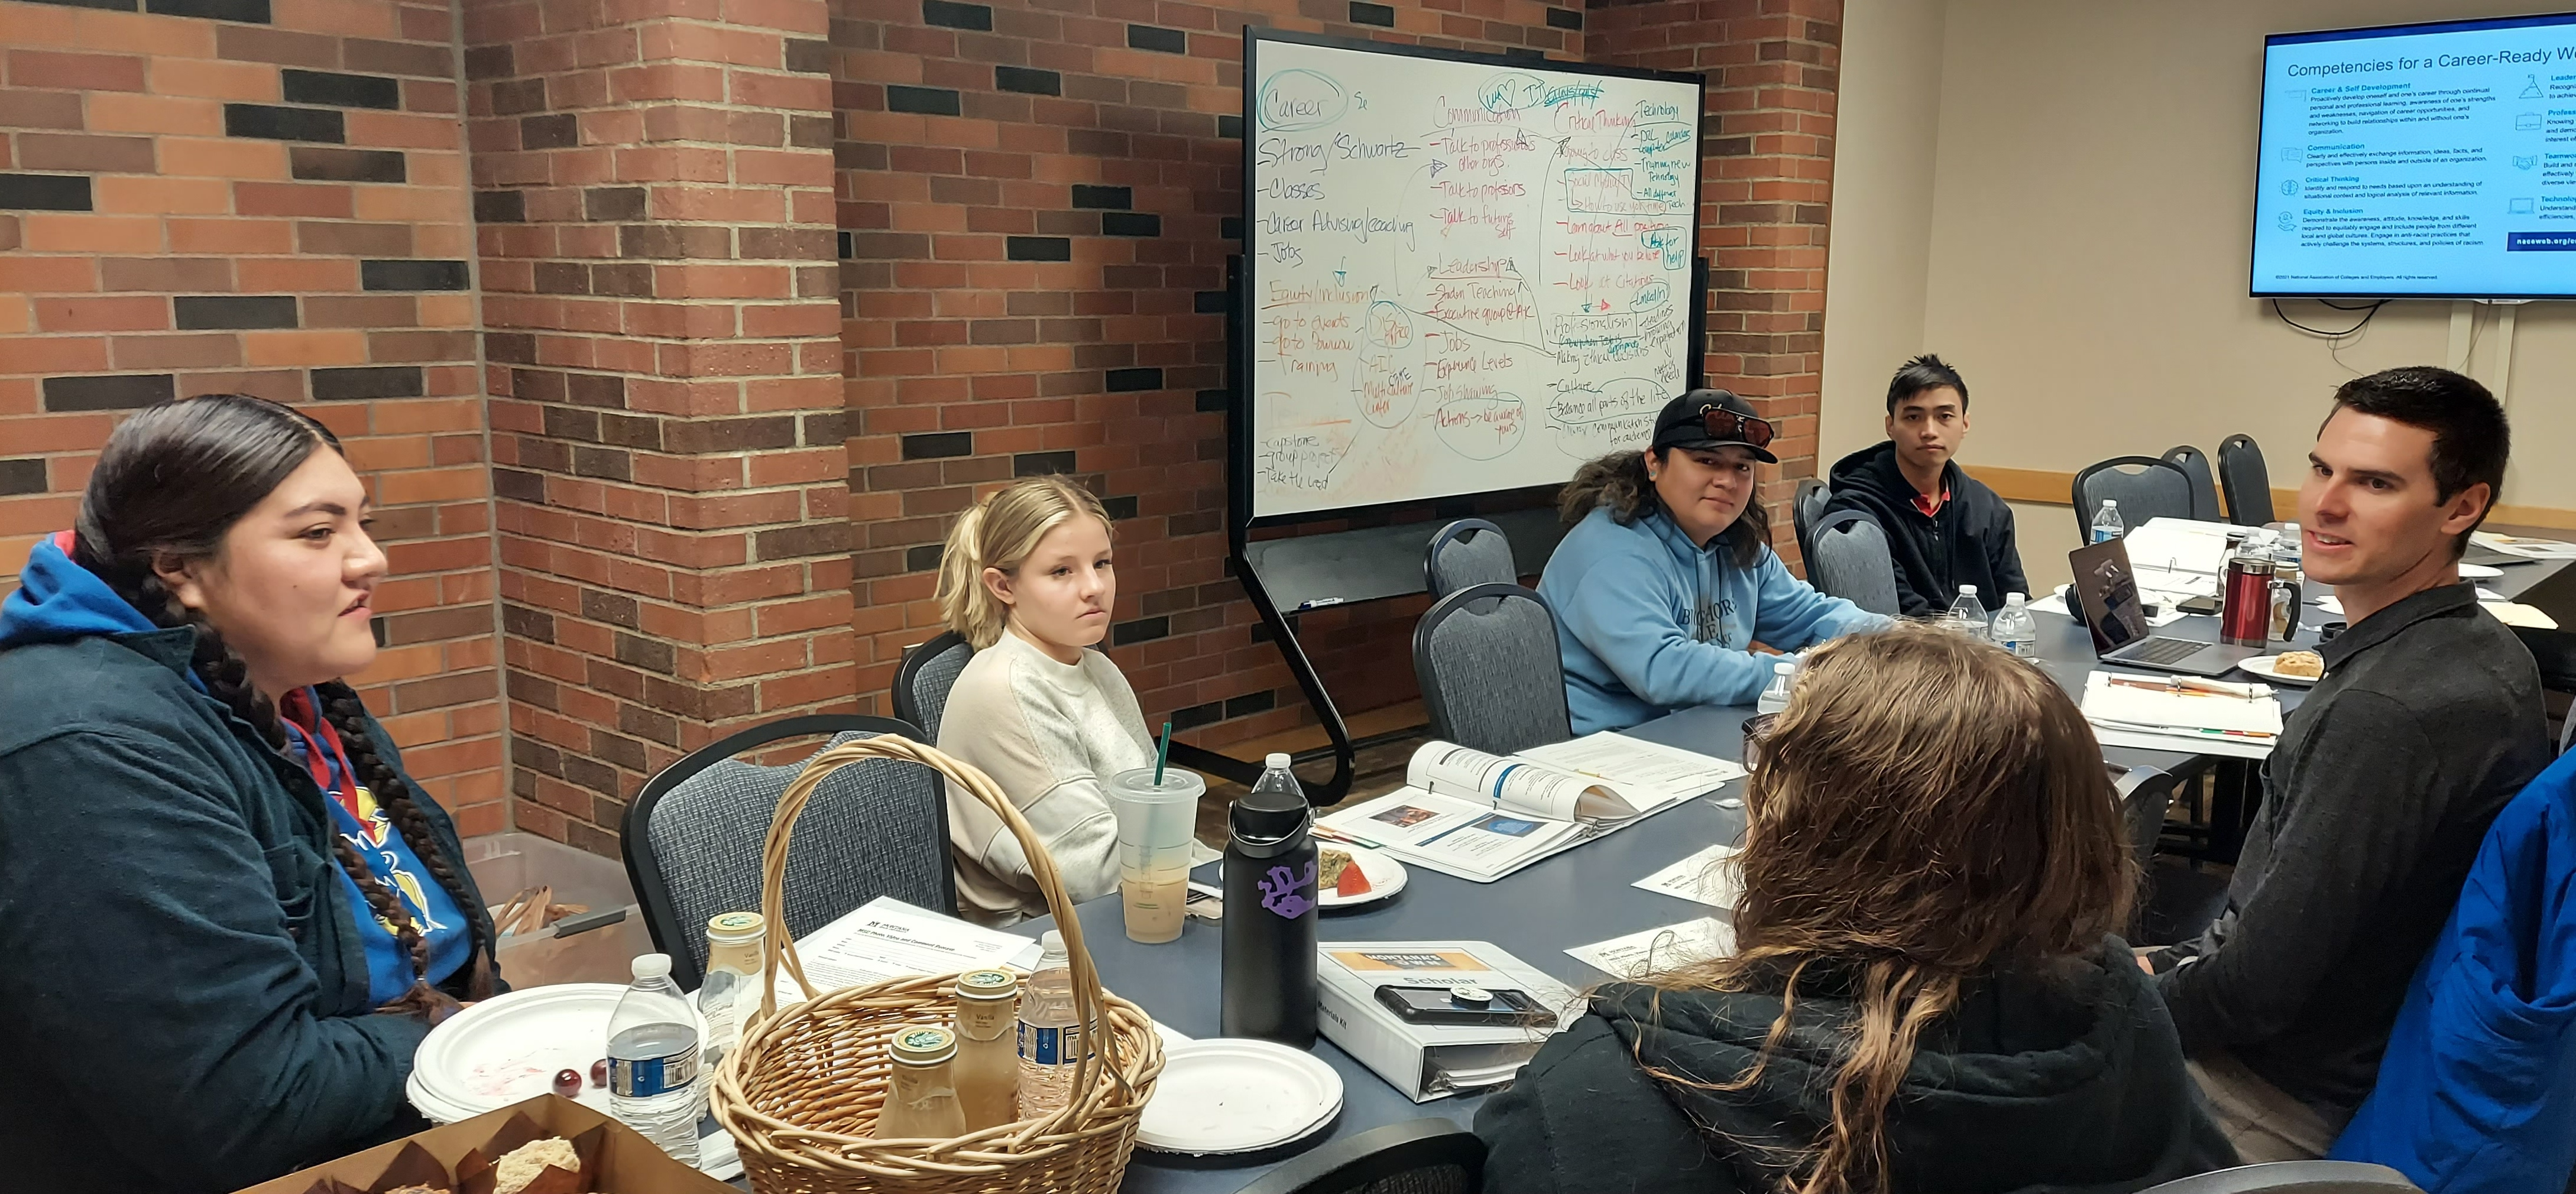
(1161,753)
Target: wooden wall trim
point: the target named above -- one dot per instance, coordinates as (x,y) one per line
(2050,487)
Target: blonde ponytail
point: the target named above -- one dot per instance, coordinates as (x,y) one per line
(999,532)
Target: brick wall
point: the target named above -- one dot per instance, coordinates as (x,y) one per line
(265,196)
(1037,201)
(653,184)
(1766,181)
(719,465)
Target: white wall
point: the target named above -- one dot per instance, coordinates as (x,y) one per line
(2057,201)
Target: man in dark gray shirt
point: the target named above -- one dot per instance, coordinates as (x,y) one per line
(2428,720)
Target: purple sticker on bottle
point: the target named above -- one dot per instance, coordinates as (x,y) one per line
(1286,894)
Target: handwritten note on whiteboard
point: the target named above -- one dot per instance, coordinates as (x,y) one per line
(1464,277)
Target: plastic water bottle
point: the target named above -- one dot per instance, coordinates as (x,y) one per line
(2106,522)
(1968,614)
(653,1061)
(2014,629)
(1267,952)
(1051,1037)
(1776,697)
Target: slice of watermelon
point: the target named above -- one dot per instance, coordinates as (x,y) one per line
(1352,881)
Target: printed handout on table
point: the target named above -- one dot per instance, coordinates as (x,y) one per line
(887,938)
(1709,877)
(1481,816)
(1654,951)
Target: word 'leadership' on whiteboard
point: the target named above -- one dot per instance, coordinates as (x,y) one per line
(1464,277)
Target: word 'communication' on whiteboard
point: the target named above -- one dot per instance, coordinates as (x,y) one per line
(1464,277)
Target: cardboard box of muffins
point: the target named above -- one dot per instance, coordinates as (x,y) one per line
(546,1145)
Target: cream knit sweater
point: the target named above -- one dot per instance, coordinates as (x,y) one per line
(1050,734)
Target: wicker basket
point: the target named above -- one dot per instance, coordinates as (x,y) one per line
(800,1094)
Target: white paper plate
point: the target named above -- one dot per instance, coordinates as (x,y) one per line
(2261,665)
(508,1048)
(1386,876)
(2480,572)
(1228,1095)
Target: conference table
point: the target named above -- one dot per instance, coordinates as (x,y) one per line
(1578,897)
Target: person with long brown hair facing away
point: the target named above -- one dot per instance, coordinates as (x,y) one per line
(1926,992)
(229,916)
(1026,580)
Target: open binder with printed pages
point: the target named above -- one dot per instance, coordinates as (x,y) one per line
(1482,816)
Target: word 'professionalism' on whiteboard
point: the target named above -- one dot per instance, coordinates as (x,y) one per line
(1465,277)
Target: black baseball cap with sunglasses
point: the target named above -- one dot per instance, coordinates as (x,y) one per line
(1704,419)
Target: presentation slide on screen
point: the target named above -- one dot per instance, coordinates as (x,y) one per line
(2423,160)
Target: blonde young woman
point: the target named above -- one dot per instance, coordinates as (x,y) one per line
(1026,579)
(1926,994)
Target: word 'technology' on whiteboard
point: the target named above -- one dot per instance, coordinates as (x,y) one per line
(1464,277)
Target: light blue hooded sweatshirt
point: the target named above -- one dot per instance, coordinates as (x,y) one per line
(1648,622)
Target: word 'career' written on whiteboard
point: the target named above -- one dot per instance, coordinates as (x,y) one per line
(1467,277)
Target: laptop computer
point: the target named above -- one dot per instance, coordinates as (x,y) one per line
(2479,553)
(2108,592)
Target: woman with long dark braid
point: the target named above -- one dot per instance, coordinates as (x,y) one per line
(227,917)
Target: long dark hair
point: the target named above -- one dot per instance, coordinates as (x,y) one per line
(1927,809)
(170,484)
(1619,481)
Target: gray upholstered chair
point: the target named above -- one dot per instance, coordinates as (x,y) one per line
(1491,676)
(2194,464)
(695,834)
(1805,510)
(1850,559)
(2145,792)
(922,681)
(2248,483)
(1470,551)
(2294,1177)
(1422,1156)
(2144,486)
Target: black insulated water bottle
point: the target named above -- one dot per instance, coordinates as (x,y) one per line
(1270,900)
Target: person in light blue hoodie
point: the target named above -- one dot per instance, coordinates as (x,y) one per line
(1667,577)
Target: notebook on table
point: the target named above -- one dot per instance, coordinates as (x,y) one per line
(2107,589)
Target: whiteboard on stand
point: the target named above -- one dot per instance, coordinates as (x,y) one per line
(1463,275)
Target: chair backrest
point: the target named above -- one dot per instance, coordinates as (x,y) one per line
(2145,792)
(1470,551)
(2194,464)
(2301,1177)
(2567,730)
(1422,1156)
(922,681)
(2247,482)
(1491,677)
(1850,560)
(695,834)
(1804,511)
(2155,489)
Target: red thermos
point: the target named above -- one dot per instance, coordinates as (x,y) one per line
(2245,615)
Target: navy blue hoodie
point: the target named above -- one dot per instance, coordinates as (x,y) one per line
(183,988)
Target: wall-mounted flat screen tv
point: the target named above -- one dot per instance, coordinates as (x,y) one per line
(2419,161)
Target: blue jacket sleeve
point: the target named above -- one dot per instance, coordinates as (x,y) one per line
(154,978)
(1622,610)
(1790,615)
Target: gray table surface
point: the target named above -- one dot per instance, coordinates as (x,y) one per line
(1575,898)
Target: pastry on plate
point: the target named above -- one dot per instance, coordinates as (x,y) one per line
(2307,664)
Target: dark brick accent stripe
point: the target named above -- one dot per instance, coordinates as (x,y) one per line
(413,275)
(1105,198)
(1028,80)
(117,392)
(1123,380)
(1157,38)
(45,192)
(272,123)
(214,312)
(978,17)
(938,444)
(925,101)
(1038,248)
(331,89)
(367,381)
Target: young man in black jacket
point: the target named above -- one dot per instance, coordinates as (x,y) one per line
(2384,779)
(1944,529)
